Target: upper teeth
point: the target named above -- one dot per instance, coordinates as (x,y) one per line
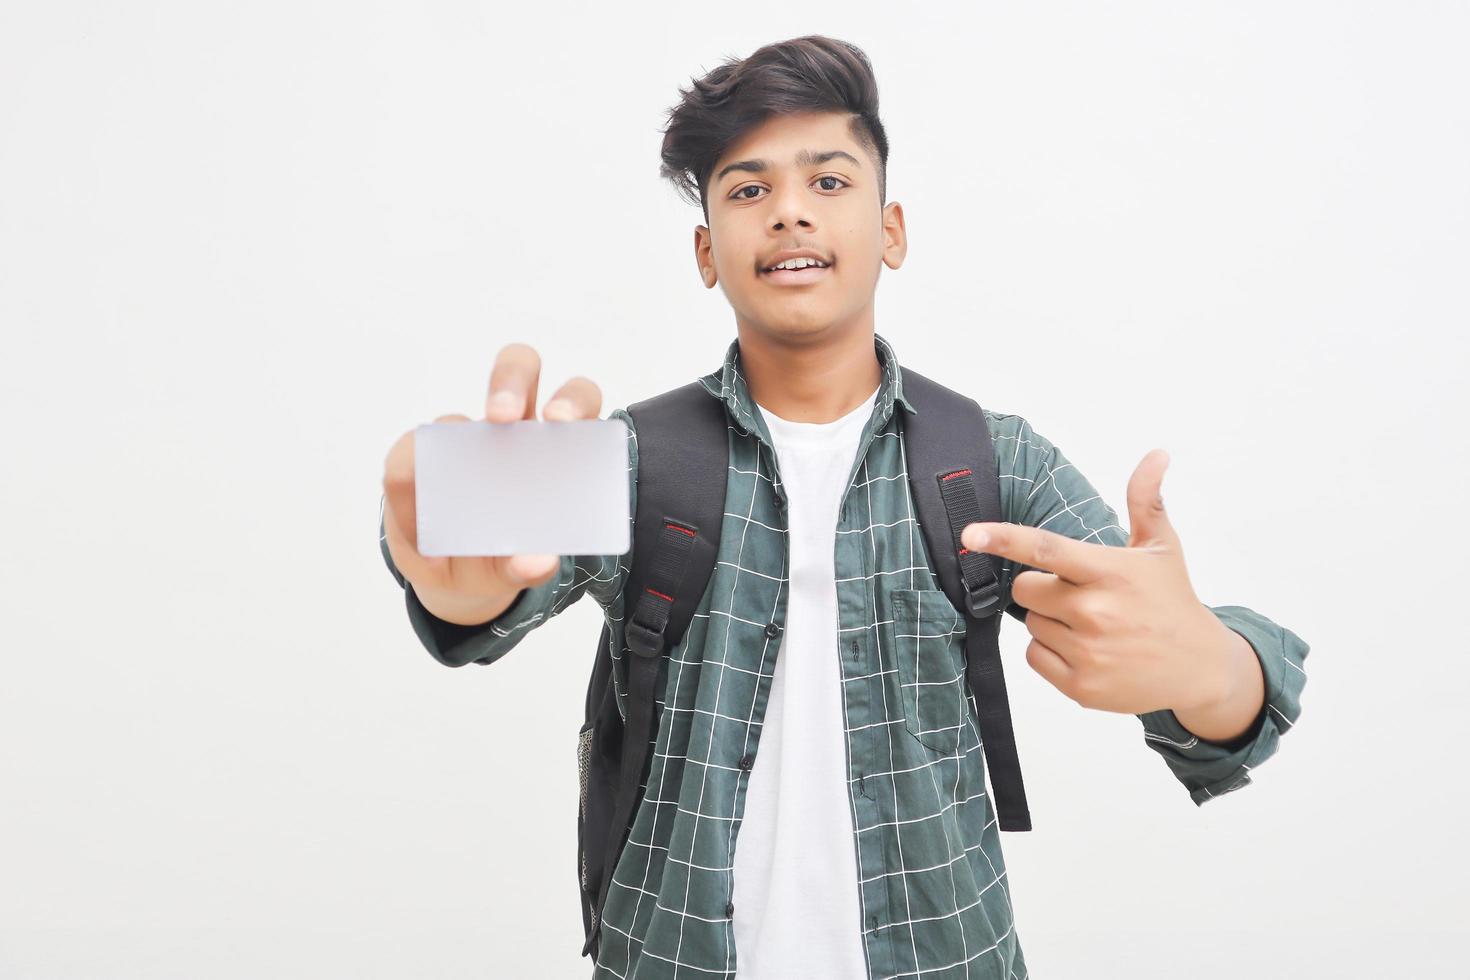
(797,264)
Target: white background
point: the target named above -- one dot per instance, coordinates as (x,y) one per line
(245,246)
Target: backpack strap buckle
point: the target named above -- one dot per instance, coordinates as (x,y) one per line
(644,641)
(958,491)
(981,597)
(644,631)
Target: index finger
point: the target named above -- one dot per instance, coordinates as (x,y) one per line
(513,383)
(1079,562)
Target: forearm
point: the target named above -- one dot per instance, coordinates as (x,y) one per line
(1235,713)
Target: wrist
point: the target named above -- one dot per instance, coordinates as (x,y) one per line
(1232,700)
(464,610)
(1220,680)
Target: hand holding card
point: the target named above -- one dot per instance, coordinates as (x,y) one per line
(482,483)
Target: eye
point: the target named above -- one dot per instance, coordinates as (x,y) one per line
(741,195)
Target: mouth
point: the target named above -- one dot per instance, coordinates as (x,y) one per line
(796,277)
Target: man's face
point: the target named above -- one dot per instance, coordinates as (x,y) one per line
(801,198)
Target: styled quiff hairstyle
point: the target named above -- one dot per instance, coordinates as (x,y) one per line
(805,74)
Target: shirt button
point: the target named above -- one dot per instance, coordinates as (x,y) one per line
(780,500)
(729,909)
(772,630)
(747,762)
(873,923)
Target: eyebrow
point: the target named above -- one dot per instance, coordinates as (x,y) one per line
(804,158)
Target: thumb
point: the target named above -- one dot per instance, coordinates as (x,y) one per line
(1147,518)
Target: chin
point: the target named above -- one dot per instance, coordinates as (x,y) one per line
(799,325)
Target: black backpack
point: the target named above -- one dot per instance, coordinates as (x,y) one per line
(683,454)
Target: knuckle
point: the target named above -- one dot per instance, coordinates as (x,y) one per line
(1085,689)
(1046,549)
(499,573)
(1098,614)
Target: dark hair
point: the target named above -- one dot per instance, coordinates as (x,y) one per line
(805,74)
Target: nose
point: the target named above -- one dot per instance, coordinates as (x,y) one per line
(790,208)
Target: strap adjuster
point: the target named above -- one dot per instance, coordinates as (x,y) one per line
(981,601)
(643,641)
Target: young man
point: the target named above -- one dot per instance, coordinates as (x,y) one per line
(815,805)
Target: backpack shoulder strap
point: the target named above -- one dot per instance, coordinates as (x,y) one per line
(953,480)
(683,464)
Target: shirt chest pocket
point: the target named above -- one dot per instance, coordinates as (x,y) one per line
(928,646)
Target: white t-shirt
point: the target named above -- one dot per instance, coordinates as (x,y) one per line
(795,869)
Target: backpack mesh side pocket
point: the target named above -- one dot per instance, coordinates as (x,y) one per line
(584,757)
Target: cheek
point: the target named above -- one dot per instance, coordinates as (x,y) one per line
(862,246)
(736,263)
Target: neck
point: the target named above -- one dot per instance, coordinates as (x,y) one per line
(810,379)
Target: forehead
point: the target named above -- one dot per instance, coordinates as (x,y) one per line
(779,138)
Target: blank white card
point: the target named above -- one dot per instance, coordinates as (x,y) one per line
(525,487)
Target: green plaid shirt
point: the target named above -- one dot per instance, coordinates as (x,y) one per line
(935,899)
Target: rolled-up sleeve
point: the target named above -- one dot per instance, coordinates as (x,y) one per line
(602,575)
(1210,769)
(1040,487)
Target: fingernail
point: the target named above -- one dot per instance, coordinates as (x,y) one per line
(979,538)
(558,407)
(504,401)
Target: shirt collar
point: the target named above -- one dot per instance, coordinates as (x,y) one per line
(727,383)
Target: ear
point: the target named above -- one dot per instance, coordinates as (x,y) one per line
(895,238)
(704,256)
